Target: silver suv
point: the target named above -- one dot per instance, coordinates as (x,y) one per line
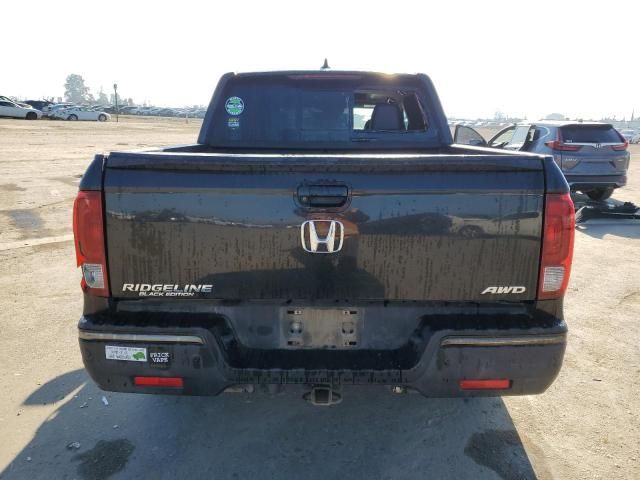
(593,156)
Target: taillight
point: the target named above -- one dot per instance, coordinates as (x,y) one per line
(557,245)
(562,147)
(88,231)
(620,148)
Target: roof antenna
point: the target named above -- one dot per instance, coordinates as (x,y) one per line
(325,66)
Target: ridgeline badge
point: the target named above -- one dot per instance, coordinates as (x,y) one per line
(234,106)
(166,290)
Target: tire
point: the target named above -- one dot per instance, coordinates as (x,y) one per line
(600,193)
(31,116)
(102,118)
(72,117)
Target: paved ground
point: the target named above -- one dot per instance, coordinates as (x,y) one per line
(587,425)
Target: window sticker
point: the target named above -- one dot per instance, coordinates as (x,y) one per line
(233,122)
(234,106)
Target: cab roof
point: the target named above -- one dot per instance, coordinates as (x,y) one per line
(563,123)
(325,72)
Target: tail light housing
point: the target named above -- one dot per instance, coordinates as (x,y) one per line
(88,232)
(620,148)
(557,245)
(562,147)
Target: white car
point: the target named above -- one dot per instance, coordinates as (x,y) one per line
(630,135)
(13,110)
(51,109)
(82,113)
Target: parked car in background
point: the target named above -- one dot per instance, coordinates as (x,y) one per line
(127,110)
(593,156)
(190,112)
(13,110)
(630,135)
(82,113)
(50,110)
(38,104)
(144,110)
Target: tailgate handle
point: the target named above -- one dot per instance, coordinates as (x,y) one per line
(320,196)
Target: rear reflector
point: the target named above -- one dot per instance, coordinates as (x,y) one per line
(557,245)
(493,384)
(88,231)
(175,382)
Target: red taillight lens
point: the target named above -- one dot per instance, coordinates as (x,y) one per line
(562,147)
(175,382)
(493,384)
(620,148)
(557,245)
(88,231)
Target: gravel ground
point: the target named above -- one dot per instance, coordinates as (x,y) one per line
(586,425)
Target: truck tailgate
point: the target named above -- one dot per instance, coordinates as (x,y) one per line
(416,227)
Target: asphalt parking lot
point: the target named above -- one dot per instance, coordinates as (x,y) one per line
(54,422)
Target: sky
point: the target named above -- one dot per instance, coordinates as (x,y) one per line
(525,59)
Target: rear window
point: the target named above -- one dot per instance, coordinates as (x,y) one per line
(590,134)
(294,111)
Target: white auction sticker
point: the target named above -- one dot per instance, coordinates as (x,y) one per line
(131,354)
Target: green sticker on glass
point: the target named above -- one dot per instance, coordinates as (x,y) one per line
(234,105)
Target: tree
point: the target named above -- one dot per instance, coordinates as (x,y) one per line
(102,97)
(75,90)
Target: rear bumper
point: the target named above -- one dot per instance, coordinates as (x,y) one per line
(576,182)
(530,357)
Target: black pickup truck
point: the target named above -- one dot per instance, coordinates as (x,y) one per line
(324,230)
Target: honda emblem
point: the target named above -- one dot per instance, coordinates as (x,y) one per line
(313,242)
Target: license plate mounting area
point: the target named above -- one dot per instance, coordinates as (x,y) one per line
(320,328)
